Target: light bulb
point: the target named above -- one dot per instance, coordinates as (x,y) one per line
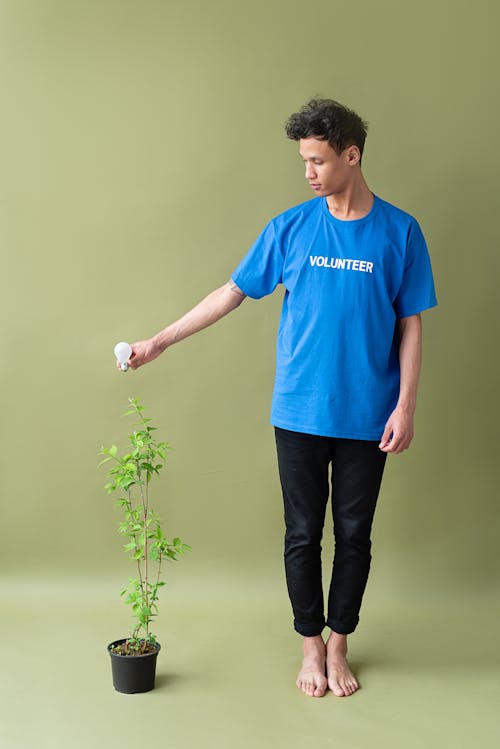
(123,352)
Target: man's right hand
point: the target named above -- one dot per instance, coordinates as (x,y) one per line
(142,353)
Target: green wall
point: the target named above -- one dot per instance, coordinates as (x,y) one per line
(142,152)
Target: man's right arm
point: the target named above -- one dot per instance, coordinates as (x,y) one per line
(209,310)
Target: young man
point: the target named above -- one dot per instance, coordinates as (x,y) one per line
(357,275)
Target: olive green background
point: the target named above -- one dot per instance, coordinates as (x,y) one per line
(142,152)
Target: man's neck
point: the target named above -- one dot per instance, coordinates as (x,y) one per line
(353,203)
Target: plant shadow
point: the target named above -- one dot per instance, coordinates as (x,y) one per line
(168,680)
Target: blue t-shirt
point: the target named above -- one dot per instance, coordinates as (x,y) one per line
(346,284)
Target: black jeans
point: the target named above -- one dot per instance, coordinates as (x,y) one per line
(357,469)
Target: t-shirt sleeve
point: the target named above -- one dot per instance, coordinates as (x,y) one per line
(261,269)
(416,292)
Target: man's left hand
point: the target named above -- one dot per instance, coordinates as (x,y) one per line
(398,432)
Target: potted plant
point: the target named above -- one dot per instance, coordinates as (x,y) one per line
(133,659)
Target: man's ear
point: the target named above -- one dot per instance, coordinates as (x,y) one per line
(353,155)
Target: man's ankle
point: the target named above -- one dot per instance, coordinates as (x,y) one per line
(313,642)
(335,638)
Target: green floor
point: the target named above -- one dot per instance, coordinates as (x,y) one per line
(428,670)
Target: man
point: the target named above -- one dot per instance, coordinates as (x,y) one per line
(357,275)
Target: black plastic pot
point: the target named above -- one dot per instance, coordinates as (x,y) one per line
(133,673)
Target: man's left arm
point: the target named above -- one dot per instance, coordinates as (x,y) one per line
(398,432)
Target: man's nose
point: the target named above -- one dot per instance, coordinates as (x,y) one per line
(310,173)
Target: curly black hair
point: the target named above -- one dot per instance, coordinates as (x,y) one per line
(329,120)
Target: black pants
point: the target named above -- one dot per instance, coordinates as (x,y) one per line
(357,469)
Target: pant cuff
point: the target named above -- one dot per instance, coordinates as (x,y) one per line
(309,630)
(343,628)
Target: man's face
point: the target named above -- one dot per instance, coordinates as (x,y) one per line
(326,171)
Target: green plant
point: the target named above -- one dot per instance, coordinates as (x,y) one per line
(147,545)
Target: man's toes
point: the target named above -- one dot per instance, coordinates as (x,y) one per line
(345,686)
(349,686)
(336,688)
(319,691)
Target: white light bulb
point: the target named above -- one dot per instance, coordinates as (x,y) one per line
(123,352)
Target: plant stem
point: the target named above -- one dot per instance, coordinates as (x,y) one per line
(135,535)
(146,549)
(145,505)
(159,568)
(145,514)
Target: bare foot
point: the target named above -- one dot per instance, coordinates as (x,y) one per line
(341,680)
(311,678)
